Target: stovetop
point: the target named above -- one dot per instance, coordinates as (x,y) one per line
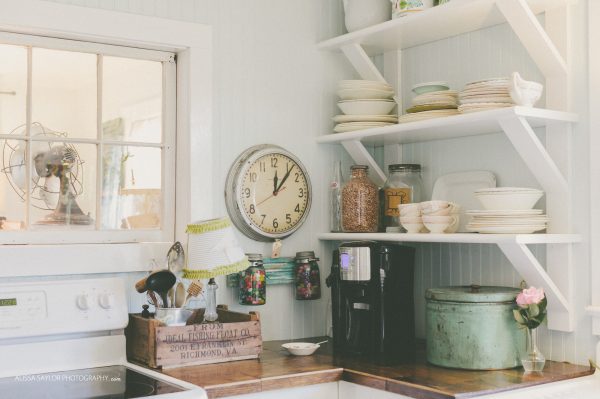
(112,382)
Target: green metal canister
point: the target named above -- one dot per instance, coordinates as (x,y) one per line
(472,327)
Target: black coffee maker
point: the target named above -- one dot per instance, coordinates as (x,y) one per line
(372,300)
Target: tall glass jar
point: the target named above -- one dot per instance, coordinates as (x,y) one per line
(253,282)
(360,202)
(308,276)
(403,186)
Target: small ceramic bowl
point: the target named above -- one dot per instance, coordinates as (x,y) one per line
(429,87)
(301,348)
(441,224)
(407,210)
(412,224)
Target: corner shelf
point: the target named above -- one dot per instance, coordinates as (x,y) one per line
(548,163)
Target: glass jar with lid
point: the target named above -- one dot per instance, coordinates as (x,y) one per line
(360,202)
(253,282)
(308,276)
(403,186)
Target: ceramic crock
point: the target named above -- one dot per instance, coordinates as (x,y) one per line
(472,327)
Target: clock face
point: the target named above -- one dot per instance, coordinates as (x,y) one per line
(272,193)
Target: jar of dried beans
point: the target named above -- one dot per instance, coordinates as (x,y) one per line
(360,202)
(253,282)
(308,276)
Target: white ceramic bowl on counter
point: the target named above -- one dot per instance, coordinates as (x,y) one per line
(301,348)
(366,107)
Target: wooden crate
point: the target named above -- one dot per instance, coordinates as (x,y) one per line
(236,336)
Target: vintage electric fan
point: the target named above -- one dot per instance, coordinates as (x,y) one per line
(56,178)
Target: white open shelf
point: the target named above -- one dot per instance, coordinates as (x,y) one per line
(463,238)
(549,161)
(472,124)
(450,19)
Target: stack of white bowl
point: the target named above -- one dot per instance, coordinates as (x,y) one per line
(365,104)
(508,210)
(434,216)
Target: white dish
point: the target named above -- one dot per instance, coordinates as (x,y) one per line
(459,188)
(513,201)
(301,348)
(502,190)
(366,107)
(353,126)
(428,87)
(506,229)
(365,118)
(364,93)
(508,212)
(487,99)
(420,116)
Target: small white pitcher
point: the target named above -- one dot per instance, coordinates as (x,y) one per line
(362,13)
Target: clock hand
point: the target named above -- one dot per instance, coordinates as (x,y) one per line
(271,196)
(275,182)
(285,178)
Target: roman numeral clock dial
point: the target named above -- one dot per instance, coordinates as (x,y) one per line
(268,193)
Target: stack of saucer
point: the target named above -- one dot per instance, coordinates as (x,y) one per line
(486,94)
(365,104)
(429,105)
(508,210)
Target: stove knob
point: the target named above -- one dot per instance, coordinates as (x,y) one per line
(83,302)
(106,300)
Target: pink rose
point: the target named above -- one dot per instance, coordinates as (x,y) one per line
(530,296)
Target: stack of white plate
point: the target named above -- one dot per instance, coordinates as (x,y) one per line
(431,104)
(365,104)
(508,210)
(486,94)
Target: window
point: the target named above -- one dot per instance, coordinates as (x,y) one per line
(87,142)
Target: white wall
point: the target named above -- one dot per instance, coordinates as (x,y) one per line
(270,86)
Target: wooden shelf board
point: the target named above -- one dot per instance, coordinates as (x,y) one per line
(472,124)
(450,19)
(464,238)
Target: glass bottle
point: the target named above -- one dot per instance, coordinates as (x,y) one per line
(335,198)
(308,276)
(253,282)
(360,202)
(403,186)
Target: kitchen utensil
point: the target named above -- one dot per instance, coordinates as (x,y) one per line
(509,198)
(153,299)
(194,289)
(301,348)
(179,300)
(472,327)
(171,296)
(160,282)
(176,258)
(173,316)
(359,14)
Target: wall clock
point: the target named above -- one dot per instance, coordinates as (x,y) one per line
(267,192)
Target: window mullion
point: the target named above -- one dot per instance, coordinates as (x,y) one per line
(100,146)
(29,151)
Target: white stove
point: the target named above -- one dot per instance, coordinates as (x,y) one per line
(65,340)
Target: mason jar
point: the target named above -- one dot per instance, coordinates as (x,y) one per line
(308,276)
(403,186)
(253,282)
(360,202)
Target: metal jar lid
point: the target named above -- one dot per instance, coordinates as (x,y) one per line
(404,167)
(255,257)
(472,294)
(305,256)
(359,167)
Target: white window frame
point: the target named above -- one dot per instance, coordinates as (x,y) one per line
(96,234)
(192,43)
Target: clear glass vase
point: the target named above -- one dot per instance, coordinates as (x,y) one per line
(533,360)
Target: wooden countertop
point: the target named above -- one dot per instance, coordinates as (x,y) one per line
(276,369)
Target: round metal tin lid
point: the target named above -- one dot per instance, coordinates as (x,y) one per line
(472,294)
